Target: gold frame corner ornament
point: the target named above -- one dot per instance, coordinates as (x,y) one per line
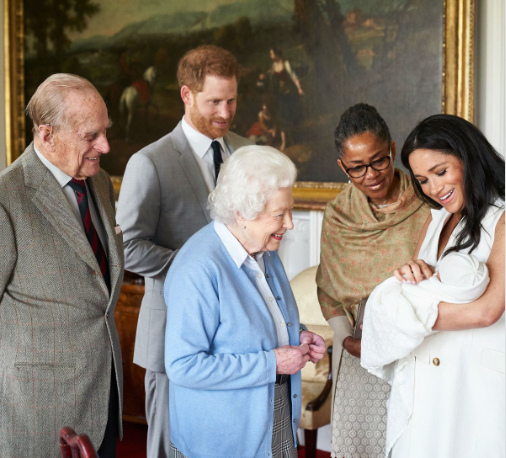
(457,86)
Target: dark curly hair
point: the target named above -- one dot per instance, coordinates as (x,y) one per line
(358,119)
(483,169)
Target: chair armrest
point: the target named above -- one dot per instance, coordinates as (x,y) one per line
(75,445)
(317,403)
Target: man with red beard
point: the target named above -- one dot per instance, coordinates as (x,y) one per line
(163,202)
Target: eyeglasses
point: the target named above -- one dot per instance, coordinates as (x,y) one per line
(379,164)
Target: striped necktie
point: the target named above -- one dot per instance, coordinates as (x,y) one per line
(79,188)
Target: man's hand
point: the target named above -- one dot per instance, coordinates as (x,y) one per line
(352,346)
(316,345)
(291,359)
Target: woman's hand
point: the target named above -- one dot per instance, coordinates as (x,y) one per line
(291,359)
(414,272)
(352,346)
(316,345)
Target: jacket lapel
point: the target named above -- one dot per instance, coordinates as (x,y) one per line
(101,199)
(191,168)
(50,200)
(233,142)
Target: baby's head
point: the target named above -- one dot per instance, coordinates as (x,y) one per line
(460,269)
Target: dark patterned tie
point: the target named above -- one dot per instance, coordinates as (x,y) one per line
(218,160)
(79,188)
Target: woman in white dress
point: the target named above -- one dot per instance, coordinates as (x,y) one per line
(459,394)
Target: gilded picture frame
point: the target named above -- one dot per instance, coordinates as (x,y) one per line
(456,81)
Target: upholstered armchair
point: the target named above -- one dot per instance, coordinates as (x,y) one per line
(316,378)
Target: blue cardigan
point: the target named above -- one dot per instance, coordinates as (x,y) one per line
(219,353)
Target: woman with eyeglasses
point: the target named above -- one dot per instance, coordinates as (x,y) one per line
(369,230)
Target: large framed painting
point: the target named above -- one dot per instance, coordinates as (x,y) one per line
(303,63)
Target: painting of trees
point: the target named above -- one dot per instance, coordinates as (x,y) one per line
(50,20)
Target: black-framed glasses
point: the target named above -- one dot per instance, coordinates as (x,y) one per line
(378,164)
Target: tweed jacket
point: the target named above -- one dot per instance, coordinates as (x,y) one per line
(163,202)
(58,338)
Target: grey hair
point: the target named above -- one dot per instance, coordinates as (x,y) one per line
(47,105)
(247,181)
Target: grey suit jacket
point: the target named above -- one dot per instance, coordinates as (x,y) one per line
(163,202)
(58,338)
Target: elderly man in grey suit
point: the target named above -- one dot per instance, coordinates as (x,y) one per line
(163,202)
(61,268)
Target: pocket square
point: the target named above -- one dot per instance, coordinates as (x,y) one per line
(117,229)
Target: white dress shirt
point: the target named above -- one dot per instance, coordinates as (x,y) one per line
(240,257)
(63,179)
(201,147)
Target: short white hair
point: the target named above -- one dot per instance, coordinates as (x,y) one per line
(47,105)
(247,181)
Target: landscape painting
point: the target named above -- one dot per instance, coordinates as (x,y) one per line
(303,62)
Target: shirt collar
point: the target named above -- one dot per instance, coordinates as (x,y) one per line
(61,177)
(233,246)
(199,142)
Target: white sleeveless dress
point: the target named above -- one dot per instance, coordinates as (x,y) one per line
(459,398)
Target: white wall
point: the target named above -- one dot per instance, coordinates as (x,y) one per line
(490,95)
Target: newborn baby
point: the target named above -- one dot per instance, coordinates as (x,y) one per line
(464,277)
(398,316)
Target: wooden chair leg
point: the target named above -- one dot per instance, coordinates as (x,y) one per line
(310,437)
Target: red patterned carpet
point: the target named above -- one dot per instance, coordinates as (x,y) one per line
(133,444)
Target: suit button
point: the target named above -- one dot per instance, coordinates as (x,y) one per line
(278,298)
(107,315)
(436,361)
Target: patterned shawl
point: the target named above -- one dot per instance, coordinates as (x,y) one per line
(361,245)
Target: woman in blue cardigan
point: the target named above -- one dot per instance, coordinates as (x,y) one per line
(234,347)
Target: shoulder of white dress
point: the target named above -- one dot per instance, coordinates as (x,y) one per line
(438,214)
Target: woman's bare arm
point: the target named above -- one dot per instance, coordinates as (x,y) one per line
(486,310)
